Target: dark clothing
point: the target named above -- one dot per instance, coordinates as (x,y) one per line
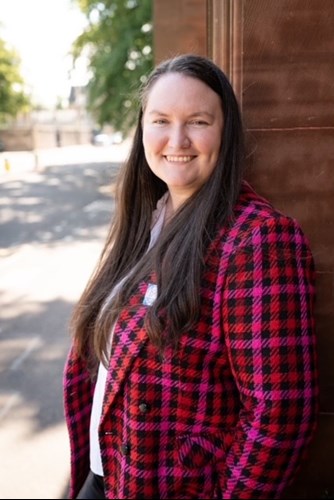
(92,488)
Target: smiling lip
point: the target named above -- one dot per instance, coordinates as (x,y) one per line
(179,159)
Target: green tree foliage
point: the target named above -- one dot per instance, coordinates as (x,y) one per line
(118,44)
(13,99)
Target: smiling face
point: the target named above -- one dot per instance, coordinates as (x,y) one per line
(182,133)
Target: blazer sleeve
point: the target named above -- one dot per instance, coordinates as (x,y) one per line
(268,324)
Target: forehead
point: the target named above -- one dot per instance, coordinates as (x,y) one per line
(178,90)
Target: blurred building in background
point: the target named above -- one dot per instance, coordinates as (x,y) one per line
(51,128)
(279,57)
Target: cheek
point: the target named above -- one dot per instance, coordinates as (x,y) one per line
(215,142)
(207,140)
(208,145)
(152,140)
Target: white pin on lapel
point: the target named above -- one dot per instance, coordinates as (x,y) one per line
(151,294)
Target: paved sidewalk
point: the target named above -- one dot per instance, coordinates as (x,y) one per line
(16,163)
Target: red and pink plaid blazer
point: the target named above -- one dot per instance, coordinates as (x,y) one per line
(231,412)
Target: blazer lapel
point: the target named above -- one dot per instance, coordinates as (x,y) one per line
(129,337)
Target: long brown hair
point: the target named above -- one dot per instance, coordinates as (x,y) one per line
(177,259)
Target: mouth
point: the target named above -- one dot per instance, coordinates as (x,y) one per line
(179,159)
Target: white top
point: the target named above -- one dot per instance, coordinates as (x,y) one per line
(158,217)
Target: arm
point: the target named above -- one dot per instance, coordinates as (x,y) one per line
(269,329)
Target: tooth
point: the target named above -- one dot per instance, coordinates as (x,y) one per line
(178,158)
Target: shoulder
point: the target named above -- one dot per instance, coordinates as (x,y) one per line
(257,222)
(253,210)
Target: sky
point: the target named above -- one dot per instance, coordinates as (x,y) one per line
(42,32)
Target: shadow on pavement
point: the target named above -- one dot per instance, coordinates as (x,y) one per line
(63,202)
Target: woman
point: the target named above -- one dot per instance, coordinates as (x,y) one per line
(192,372)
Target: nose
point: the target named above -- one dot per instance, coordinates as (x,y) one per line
(178,138)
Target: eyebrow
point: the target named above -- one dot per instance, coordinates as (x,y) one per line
(197,113)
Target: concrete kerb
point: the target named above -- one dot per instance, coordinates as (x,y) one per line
(13,163)
(17,161)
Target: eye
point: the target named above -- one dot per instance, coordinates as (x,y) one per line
(160,121)
(199,123)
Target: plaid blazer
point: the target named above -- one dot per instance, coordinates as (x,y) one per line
(231,412)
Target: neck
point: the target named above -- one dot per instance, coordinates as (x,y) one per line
(174,202)
(172,205)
